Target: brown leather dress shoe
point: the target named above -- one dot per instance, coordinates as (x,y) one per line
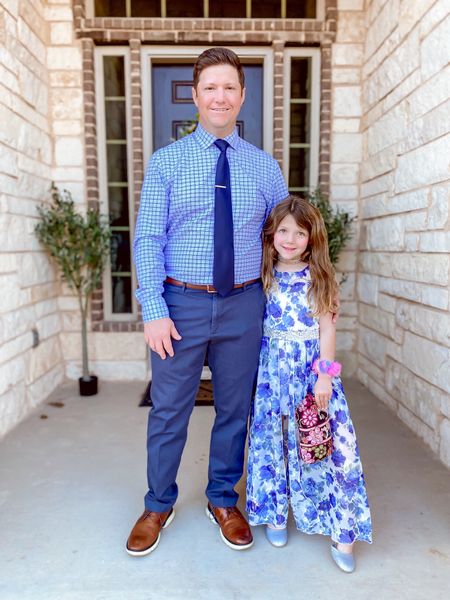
(146,533)
(234,529)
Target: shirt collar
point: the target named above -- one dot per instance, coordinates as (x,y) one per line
(206,139)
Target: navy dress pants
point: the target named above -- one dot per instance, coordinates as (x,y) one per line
(228,331)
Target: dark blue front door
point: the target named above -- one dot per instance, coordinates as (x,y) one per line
(174,110)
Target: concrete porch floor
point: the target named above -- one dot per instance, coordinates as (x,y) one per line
(72,486)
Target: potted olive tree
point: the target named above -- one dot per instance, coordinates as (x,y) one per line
(79,245)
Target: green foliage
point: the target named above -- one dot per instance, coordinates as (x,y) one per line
(191,126)
(338,223)
(78,244)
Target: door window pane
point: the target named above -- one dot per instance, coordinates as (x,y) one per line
(115,105)
(120,251)
(116,156)
(299,168)
(146,8)
(266,9)
(301,78)
(221,9)
(301,9)
(118,206)
(260,9)
(121,294)
(114,76)
(115,120)
(300,123)
(181,8)
(110,8)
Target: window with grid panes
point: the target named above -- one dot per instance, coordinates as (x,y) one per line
(115,106)
(267,9)
(300,124)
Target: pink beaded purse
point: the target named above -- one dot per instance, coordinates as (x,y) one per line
(314,433)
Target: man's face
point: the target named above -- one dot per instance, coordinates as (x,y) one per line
(219,98)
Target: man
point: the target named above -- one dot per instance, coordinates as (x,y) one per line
(198,256)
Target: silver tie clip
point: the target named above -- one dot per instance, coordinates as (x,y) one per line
(221,186)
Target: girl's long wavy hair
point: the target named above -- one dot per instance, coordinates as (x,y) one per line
(322,293)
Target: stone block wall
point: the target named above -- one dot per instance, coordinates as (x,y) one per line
(31,363)
(403,259)
(68,96)
(42,139)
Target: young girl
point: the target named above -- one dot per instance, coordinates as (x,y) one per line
(329,496)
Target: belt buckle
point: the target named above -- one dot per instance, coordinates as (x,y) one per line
(210,291)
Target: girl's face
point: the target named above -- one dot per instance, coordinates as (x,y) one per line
(290,240)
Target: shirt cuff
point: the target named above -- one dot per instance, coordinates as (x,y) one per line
(154,308)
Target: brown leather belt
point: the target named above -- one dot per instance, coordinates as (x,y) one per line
(207,288)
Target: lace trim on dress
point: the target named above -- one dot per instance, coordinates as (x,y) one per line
(312,333)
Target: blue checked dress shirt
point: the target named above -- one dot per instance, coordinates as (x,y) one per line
(174,234)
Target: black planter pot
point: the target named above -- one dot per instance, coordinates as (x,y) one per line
(88,387)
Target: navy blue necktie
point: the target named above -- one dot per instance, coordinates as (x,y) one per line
(223,270)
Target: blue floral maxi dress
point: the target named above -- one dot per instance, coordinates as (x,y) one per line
(327,497)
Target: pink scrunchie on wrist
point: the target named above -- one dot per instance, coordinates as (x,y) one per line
(327,367)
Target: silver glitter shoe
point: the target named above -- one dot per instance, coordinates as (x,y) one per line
(277,537)
(346,562)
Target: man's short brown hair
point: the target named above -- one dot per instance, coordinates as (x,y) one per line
(218,56)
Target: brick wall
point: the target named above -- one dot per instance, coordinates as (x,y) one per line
(403,281)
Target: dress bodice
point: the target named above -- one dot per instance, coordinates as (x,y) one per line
(287,307)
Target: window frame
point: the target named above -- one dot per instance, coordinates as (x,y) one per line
(320,10)
(314,54)
(100,53)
